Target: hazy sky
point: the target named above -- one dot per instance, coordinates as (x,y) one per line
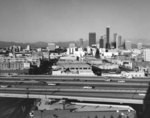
(67,20)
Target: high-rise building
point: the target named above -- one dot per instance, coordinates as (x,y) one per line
(115,37)
(104,37)
(101,42)
(146,53)
(139,46)
(115,42)
(107,38)
(128,45)
(119,41)
(81,43)
(92,39)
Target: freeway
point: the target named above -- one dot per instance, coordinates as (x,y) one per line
(80,88)
(120,95)
(75,84)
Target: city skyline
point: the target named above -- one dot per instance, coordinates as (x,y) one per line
(70,20)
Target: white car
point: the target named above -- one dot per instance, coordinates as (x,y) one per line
(3,86)
(88,87)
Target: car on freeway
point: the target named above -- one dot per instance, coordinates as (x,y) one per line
(88,87)
(121,81)
(5,86)
(52,84)
(108,80)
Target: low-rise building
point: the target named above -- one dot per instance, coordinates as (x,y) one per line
(133,74)
(108,66)
(142,66)
(127,64)
(73,68)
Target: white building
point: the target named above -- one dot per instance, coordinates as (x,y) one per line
(68,58)
(77,52)
(89,51)
(72,45)
(108,66)
(71,50)
(133,74)
(39,49)
(127,63)
(107,54)
(101,50)
(114,52)
(146,54)
(94,51)
(136,52)
(123,52)
(139,45)
(51,46)
(80,53)
(28,48)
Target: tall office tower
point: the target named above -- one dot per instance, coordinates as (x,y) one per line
(92,38)
(101,42)
(81,43)
(139,45)
(119,41)
(107,38)
(115,42)
(128,45)
(146,53)
(104,37)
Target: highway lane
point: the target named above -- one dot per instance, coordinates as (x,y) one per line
(75,78)
(77,82)
(63,76)
(98,95)
(73,90)
(78,93)
(76,85)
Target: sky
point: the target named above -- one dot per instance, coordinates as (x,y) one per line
(70,20)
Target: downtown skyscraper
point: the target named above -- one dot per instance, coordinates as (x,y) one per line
(107,38)
(92,39)
(101,42)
